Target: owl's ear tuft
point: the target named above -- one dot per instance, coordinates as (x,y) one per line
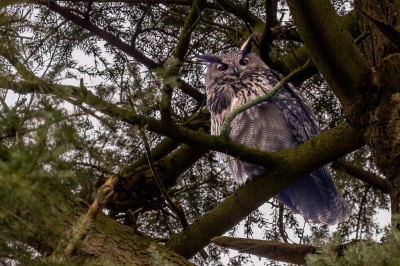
(246,47)
(209,58)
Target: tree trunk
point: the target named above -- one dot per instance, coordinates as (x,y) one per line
(383,131)
(111,241)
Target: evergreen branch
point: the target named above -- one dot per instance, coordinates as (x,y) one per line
(271,95)
(181,49)
(103,195)
(181,134)
(118,43)
(90,112)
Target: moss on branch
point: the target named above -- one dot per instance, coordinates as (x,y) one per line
(282,170)
(331,47)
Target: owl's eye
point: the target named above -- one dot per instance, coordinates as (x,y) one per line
(244,62)
(223,67)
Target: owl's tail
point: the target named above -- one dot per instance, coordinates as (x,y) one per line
(316,197)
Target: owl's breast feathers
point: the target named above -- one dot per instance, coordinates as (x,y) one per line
(224,95)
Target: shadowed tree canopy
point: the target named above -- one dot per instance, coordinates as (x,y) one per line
(105,147)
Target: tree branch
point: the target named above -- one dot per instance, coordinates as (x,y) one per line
(120,246)
(289,253)
(271,9)
(283,168)
(162,149)
(330,47)
(387,29)
(280,222)
(375,181)
(103,195)
(118,43)
(288,63)
(279,175)
(181,49)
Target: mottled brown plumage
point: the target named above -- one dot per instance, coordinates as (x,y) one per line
(239,76)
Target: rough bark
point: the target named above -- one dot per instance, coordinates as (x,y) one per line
(285,252)
(111,241)
(366,88)
(383,132)
(290,253)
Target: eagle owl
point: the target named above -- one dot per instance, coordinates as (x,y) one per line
(237,77)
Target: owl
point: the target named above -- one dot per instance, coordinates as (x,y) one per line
(237,77)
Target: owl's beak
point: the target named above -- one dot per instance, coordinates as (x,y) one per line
(236,71)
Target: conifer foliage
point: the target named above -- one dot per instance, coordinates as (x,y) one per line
(86,86)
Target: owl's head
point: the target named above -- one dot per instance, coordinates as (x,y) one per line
(232,66)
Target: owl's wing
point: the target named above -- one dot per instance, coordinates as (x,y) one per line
(315,196)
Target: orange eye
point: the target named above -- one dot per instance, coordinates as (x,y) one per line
(223,67)
(243,62)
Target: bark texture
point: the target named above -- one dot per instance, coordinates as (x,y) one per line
(290,253)
(383,132)
(111,241)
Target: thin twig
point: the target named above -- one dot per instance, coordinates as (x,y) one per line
(172,205)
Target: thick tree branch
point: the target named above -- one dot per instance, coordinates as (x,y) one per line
(387,29)
(240,12)
(288,63)
(175,132)
(271,10)
(103,195)
(162,149)
(331,47)
(375,181)
(290,253)
(109,240)
(291,165)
